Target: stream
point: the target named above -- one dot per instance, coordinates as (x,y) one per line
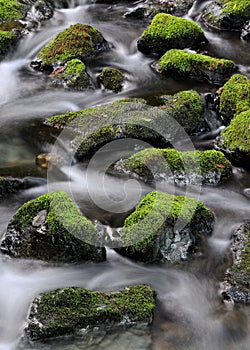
(189,312)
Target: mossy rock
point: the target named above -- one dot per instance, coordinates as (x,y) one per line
(235,140)
(52,228)
(169,165)
(72,76)
(234,97)
(131,118)
(168,32)
(68,311)
(237,279)
(150,233)
(195,66)
(227,14)
(79,41)
(111,79)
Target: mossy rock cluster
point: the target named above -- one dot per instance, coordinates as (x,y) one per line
(237,279)
(131,118)
(79,41)
(151,234)
(52,228)
(169,165)
(111,79)
(168,32)
(227,14)
(68,311)
(234,97)
(185,64)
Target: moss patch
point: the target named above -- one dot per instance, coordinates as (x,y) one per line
(166,32)
(112,79)
(195,66)
(66,311)
(210,167)
(10,9)
(235,97)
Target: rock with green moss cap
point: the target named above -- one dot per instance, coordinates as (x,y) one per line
(185,64)
(234,97)
(111,79)
(167,227)
(72,76)
(68,311)
(52,228)
(234,140)
(131,118)
(227,14)
(169,165)
(168,32)
(79,41)
(237,279)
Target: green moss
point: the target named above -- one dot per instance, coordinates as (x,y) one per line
(235,97)
(79,41)
(166,32)
(157,211)
(237,134)
(112,79)
(6,37)
(236,8)
(211,165)
(10,9)
(194,65)
(74,67)
(68,310)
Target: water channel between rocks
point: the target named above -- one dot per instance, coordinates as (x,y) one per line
(189,313)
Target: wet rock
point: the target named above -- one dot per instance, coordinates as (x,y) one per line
(237,279)
(52,228)
(227,14)
(234,97)
(168,32)
(185,64)
(169,165)
(111,79)
(79,41)
(234,140)
(79,312)
(245,33)
(150,233)
(130,118)
(72,75)
(10,185)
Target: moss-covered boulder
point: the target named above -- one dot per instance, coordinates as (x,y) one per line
(72,76)
(167,227)
(235,140)
(79,41)
(237,279)
(169,165)
(234,97)
(111,79)
(168,32)
(131,118)
(52,228)
(227,14)
(185,64)
(68,311)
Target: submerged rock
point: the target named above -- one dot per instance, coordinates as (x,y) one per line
(111,79)
(78,311)
(169,165)
(234,97)
(150,233)
(195,66)
(234,140)
(79,41)
(237,279)
(227,14)
(52,228)
(168,32)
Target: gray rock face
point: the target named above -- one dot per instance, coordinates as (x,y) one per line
(245,33)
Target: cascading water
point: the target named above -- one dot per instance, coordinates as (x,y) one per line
(190,313)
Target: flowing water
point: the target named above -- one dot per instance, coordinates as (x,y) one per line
(189,313)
